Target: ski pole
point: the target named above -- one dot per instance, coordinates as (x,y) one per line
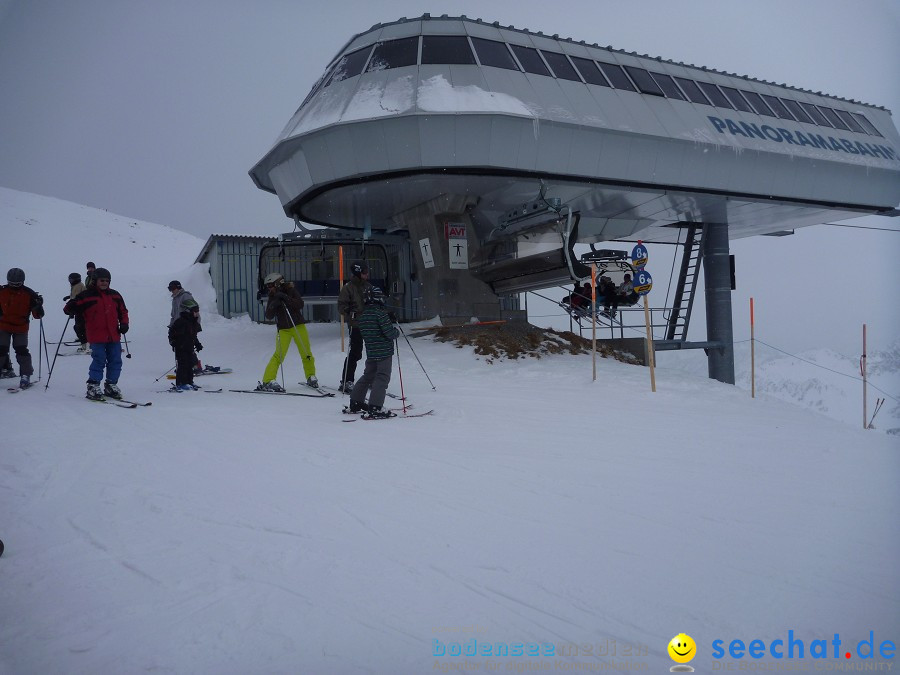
(165,373)
(417,357)
(40,350)
(346,358)
(46,347)
(59,344)
(280,355)
(127,352)
(400,371)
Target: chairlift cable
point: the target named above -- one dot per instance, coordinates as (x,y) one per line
(836,372)
(863,227)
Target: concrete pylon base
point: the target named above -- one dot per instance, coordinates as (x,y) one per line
(453,294)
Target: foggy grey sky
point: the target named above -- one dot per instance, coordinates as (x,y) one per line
(157,110)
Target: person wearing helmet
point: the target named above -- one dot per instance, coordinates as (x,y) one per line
(18,305)
(179,297)
(286,306)
(351,304)
(105,321)
(379,334)
(90,269)
(76,287)
(183,338)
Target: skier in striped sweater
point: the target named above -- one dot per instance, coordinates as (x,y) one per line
(378,334)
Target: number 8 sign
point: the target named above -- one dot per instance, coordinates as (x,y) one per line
(643,282)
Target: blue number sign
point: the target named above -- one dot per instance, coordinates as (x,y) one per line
(643,282)
(639,255)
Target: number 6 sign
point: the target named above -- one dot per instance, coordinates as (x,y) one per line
(643,282)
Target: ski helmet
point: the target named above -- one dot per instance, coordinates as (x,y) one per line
(102,273)
(359,269)
(273,278)
(74,278)
(374,296)
(174,284)
(189,306)
(15,277)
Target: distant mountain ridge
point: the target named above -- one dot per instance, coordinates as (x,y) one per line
(830,383)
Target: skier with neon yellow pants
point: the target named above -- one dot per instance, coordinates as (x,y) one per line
(286,306)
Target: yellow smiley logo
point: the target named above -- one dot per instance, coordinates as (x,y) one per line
(682,648)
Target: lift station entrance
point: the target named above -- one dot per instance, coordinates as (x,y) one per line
(473,141)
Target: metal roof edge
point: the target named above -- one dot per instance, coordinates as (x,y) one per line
(610,48)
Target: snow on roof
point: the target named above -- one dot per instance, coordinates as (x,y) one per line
(610,48)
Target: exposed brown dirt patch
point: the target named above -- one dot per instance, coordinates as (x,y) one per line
(518,340)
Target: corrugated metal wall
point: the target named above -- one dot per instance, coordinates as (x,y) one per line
(233,263)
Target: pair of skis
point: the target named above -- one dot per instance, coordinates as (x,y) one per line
(120,402)
(16,390)
(319,392)
(392,413)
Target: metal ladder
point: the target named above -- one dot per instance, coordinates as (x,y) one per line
(680,315)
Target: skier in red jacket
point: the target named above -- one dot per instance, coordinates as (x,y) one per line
(105,321)
(18,304)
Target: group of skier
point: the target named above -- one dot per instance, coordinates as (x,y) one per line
(101,319)
(363,307)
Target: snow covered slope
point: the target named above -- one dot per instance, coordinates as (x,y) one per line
(236,533)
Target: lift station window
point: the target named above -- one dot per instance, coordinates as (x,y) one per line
(816,114)
(458,49)
(713,94)
(776,105)
(560,65)
(797,111)
(644,82)
(530,60)
(867,125)
(589,71)
(832,117)
(395,54)
(350,65)
(446,49)
(616,75)
(667,84)
(758,104)
(847,119)
(693,92)
(493,53)
(734,98)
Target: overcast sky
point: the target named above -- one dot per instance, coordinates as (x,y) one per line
(157,109)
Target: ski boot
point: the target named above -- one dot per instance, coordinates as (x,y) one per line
(270,386)
(93,391)
(112,390)
(355,408)
(379,413)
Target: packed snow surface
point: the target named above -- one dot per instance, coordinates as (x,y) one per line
(239,533)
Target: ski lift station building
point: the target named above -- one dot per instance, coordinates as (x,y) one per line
(471,140)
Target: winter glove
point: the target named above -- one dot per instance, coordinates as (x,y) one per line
(197,345)
(65,298)
(392,317)
(123,328)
